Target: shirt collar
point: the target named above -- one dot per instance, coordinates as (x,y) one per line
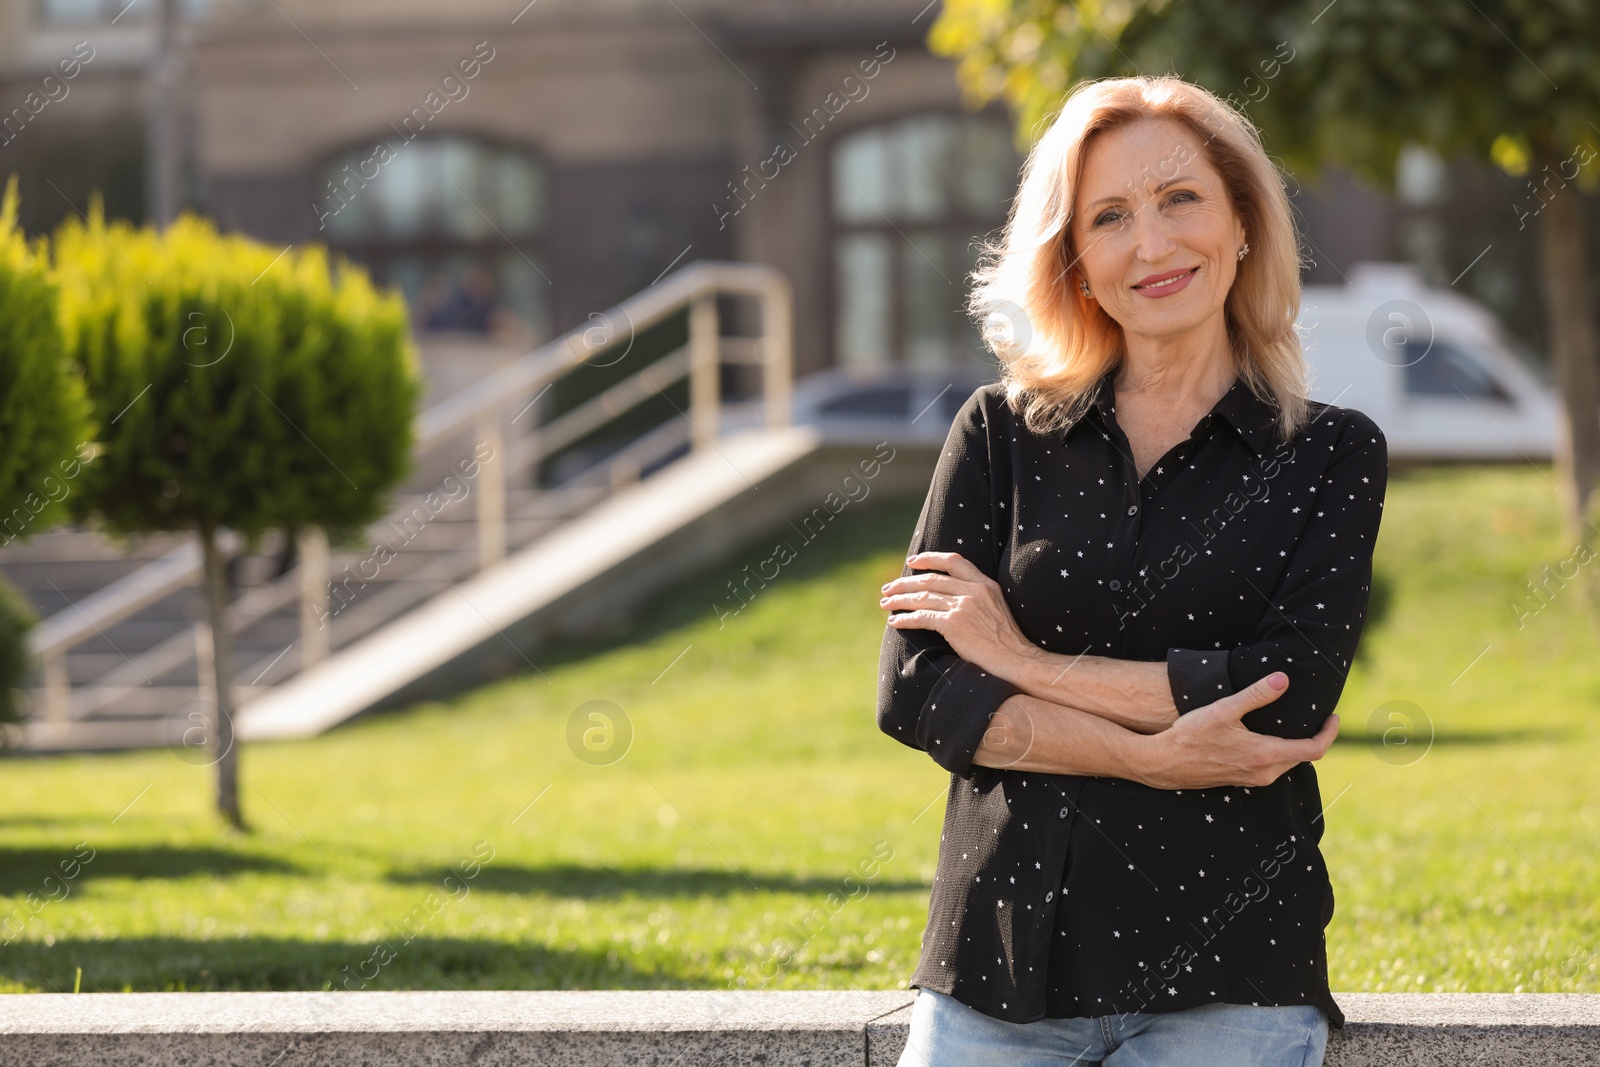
(1251,417)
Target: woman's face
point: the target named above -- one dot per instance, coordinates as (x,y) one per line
(1151,208)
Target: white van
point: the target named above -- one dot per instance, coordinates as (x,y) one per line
(1433,368)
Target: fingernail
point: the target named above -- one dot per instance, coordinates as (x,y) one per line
(1277,679)
(883,600)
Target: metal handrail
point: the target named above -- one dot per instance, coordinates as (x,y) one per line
(110,605)
(577,346)
(482,408)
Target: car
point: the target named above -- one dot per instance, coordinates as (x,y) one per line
(897,402)
(1433,368)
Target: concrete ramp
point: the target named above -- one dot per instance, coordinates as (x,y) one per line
(585,577)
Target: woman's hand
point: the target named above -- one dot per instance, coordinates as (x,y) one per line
(962,604)
(1211,746)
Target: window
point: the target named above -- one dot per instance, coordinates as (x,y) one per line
(1441,369)
(910,199)
(121,12)
(454,223)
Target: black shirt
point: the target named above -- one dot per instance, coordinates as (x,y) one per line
(1238,554)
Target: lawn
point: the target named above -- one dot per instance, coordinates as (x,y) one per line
(467,845)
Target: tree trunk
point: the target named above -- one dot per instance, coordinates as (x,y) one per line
(224,754)
(1574,351)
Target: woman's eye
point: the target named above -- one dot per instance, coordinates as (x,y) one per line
(1183,193)
(1106,217)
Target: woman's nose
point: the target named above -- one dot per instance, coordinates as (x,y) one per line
(1152,236)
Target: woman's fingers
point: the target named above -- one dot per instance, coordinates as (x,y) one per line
(943,578)
(1324,736)
(1209,746)
(932,581)
(1291,752)
(954,599)
(914,610)
(1257,694)
(952,563)
(921,619)
(1316,746)
(1221,751)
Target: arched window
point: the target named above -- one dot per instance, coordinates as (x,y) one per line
(909,199)
(78,12)
(456,224)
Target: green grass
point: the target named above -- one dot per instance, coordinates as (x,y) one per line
(756,782)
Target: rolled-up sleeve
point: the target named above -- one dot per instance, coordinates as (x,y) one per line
(928,697)
(1316,612)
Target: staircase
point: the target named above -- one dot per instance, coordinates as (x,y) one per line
(498,468)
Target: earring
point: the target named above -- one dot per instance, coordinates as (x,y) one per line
(1083,287)
(1245,251)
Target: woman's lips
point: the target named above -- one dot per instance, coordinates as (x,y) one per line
(1167,286)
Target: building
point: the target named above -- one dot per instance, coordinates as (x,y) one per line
(517,168)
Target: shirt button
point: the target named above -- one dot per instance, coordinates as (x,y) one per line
(1115,585)
(1064,813)
(1133,509)
(1048,897)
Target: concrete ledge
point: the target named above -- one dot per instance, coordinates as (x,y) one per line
(679,1029)
(1505,1029)
(485,1029)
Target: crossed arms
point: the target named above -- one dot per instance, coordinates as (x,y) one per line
(1085,714)
(959,680)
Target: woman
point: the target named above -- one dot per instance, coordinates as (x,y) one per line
(1133,597)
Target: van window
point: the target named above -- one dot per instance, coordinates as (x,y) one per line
(1442,369)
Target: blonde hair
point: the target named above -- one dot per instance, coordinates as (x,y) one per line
(1061,343)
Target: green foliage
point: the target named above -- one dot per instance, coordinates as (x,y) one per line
(43,419)
(235,385)
(42,407)
(1349,82)
(16,619)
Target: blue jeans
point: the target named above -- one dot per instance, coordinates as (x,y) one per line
(947,1033)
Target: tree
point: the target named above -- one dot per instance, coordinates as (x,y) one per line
(1352,82)
(43,420)
(239,388)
